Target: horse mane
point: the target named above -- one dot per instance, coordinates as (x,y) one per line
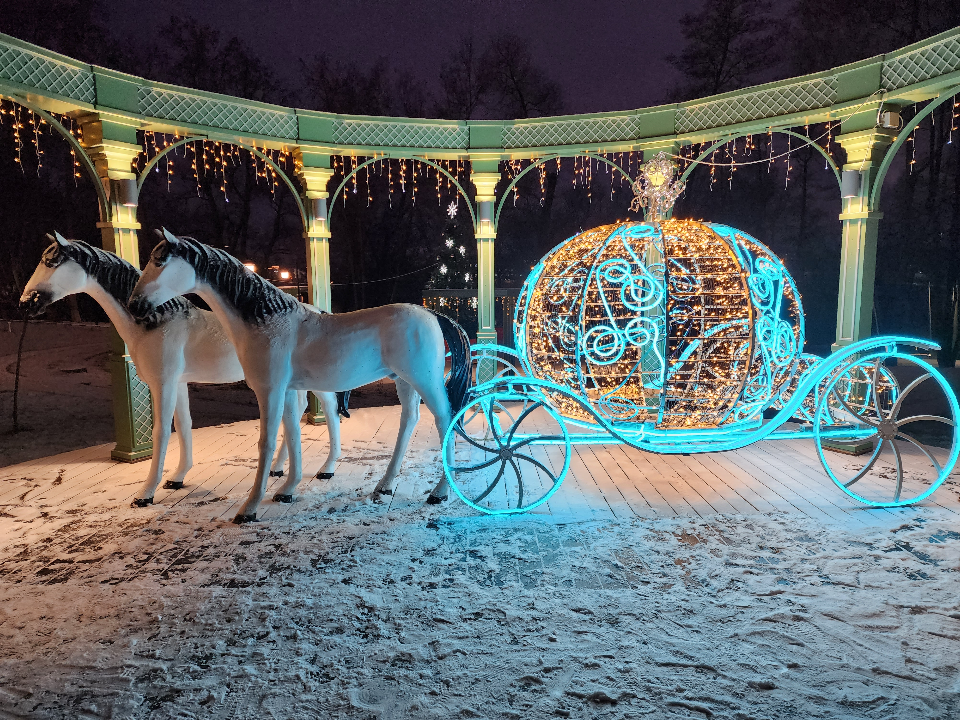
(254,298)
(115,275)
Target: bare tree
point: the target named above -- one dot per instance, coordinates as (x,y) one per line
(345,88)
(518,88)
(463,83)
(729,44)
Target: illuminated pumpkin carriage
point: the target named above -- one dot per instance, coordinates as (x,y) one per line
(677,336)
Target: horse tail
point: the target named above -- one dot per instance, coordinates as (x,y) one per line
(460,371)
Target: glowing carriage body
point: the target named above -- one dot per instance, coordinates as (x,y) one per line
(676,336)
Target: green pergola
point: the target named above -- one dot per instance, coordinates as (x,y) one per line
(111,107)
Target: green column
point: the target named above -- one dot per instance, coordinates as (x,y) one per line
(314,173)
(111,142)
(486,233)
(859,227)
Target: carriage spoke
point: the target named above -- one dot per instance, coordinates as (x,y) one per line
(866,468)
(519,420)
(492,485)
(876,389)
(469,468)
(473,442)
(836,394)
(519,483)
(538,464)
(935,418)
(488,411)
(906,391)
(921,448)
(896,453)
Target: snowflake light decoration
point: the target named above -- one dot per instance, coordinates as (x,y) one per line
(452,210)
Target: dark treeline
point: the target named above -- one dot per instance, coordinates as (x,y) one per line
(386,243)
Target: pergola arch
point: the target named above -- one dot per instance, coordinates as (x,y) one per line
(353,173)
(78,149)
(902,137)
(541,161)
(699,160)
(287,180)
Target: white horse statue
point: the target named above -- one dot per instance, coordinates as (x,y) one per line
(284,348)
(177,344)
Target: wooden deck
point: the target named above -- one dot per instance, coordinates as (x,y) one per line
(605,482)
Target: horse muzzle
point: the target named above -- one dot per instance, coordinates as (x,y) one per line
(140,307)
(34,303)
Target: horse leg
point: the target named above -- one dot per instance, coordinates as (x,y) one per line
(271,412)
(284,451)
(328,401)
(164,402)
(409,416)
(292,412)
(184,426)
(435,398)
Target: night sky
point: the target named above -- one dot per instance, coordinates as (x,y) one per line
(606,54)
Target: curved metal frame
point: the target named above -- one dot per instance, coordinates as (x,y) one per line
(294,190)
(352,173)
(79,150)
(538,163)
(901,139)
(720,143)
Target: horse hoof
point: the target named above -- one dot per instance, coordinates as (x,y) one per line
(241,519)
(276,473)
(171,485)
(324,475)
(141,502)
(434,500)
(279,497)
(385,491)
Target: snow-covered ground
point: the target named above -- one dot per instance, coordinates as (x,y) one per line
(347,609)
(335,607)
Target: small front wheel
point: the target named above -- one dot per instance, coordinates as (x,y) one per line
(506,453)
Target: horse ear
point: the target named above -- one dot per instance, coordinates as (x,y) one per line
(59,239)
(170,237)
(159,233)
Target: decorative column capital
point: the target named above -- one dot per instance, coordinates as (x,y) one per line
(486,184)
(865,147)
(315,181)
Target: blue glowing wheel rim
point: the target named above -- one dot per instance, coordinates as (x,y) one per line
(886,433)
(506,449)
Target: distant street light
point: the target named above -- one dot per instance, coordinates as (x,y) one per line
(250,266)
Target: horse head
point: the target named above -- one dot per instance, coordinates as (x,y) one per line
(167,274)
(57,276)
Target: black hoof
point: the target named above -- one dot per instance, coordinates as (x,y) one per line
(434,500)
(385,491)
(241,519)
(324,475)
(283,498)
(141,502)
(276,473)
(171,485)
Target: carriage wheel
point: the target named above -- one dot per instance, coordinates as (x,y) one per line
(506,461)
(915,433)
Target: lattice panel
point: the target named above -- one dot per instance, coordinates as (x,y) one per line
(198,110)
(928,62)
(395,134)
(27,68)
(571,132)
(760,104)
(142,411)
